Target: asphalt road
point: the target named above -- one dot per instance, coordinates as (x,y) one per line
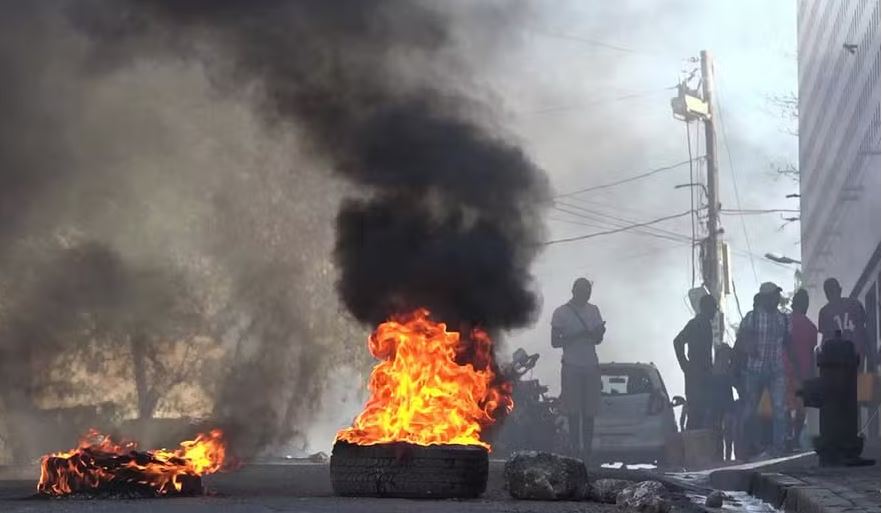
(300,487)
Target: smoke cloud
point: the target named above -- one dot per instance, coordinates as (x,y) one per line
(449,218)
(188,141)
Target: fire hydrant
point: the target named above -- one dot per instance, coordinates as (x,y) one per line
(835,394)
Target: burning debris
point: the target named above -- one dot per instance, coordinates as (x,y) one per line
(419,434)
(101,467)
(432,386)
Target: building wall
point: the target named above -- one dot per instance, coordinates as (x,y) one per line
(839,145)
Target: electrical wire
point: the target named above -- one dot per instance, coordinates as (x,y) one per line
(580,223)
(617,221)
(749,211)
(735,183)
(630,96)
(608,224)
(617,230)
(691,201)
(592,42)
(624,208)
(629,179)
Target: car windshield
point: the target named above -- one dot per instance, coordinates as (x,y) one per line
(625,382)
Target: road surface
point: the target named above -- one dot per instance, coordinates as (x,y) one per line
(300,487)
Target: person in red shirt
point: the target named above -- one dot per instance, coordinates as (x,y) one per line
(804,338)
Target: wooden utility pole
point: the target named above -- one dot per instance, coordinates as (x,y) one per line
(711,265)
(712,251)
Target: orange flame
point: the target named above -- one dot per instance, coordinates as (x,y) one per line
(422,392)
(99,462)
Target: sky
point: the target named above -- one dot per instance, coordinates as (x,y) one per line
(586,92)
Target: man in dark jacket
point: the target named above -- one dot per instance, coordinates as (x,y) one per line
(697,367)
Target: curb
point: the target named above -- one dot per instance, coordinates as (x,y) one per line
(795,496)
(740,478)
(777,489)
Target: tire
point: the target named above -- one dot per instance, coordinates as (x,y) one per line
(408,471)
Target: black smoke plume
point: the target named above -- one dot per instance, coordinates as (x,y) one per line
(449,218)
(444,208)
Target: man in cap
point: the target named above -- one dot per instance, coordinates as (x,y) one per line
(577,328)
(765,333)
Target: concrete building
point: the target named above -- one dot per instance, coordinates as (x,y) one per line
(839,162)
(839,165)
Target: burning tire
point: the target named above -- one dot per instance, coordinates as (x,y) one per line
(408,471)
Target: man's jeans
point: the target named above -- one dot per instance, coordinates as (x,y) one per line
(754,383)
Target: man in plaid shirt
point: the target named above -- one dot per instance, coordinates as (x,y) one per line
(764,335)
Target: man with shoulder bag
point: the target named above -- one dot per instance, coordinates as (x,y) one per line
(577,327)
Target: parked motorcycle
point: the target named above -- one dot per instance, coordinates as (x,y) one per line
(536,422)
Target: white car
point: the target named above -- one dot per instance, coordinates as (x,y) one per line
(636,417)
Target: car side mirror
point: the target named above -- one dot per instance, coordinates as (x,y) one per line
(678,400)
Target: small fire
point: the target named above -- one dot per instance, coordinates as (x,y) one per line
(99,463)
(431,387)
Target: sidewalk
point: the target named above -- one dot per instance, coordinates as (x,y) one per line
(803,487)
(821,490)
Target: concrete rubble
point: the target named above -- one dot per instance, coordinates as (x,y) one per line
(644,497)
(607,490)
(535,475)
(715,499)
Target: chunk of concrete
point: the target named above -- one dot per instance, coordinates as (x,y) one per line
(715,499)
(546,476)
(644,497)
(606,490)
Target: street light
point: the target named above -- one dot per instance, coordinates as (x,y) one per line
(684,185)
(781,259)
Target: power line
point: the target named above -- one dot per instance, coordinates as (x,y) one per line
(629,179)
(593,42)
(629,96)
(735,184)
(607,224)
(624,208)
(617,230)
(743,212)
(691,202)
(619,221)
(571,221)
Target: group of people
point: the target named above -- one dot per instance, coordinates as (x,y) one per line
(774,352)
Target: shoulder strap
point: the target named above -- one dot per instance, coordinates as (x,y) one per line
(576,313)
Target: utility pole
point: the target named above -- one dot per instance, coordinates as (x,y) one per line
(712,265)
(688,107)
(712,252)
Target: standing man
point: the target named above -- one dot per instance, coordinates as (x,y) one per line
(765,334)
(697,368)
(843,314)
(804,337)
(577,327)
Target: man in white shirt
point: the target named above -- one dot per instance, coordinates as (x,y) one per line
(577,328)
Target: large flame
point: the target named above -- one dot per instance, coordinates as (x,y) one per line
(100,463)
(431,387)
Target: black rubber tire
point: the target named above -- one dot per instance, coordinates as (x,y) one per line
(409,471)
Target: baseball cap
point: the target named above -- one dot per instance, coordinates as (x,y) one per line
(769,288)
